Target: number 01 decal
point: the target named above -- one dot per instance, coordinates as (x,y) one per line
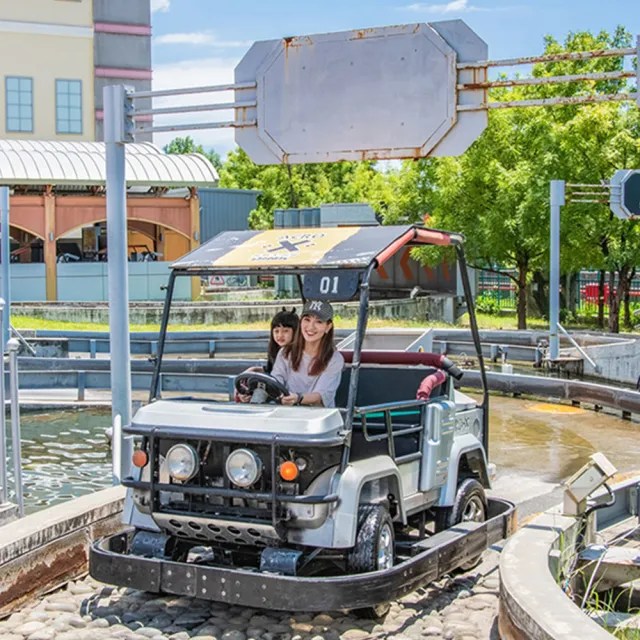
(331,285)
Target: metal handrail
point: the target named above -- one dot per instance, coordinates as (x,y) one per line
(22,340)
(582,352)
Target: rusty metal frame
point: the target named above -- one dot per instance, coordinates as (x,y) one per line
(551,80)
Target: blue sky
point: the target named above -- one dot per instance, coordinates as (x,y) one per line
(199,42)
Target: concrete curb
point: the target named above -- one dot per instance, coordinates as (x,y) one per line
(532,604)
(47,549)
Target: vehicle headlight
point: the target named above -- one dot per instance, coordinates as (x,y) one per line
(243,467)
(182,461)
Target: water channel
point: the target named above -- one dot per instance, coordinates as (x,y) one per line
(66,453)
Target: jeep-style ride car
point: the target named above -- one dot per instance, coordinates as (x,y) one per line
(312,508)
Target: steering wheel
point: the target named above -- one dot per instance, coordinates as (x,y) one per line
(247,383)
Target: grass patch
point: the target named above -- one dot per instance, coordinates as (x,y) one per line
(485,321)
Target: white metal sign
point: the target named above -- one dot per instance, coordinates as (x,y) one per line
(383,93)
(625,194)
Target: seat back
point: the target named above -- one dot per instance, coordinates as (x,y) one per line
(378,385)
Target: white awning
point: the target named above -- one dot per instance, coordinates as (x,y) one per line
(39,162)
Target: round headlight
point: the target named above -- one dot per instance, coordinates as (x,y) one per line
(182,461)
(243,467)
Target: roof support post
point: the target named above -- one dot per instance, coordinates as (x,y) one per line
(50,257)
(115,138)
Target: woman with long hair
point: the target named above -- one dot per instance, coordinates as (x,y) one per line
(310,367)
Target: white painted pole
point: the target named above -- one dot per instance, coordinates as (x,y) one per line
(557,201)
(116,450)
(3,427)
(5,251)
(114,135)
(13,345)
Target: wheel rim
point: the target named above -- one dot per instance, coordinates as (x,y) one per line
(385,548)
(474,510)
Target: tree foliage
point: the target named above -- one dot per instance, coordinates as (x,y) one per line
(187,145)
(306,185)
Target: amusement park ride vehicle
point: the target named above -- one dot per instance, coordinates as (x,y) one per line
(310,508)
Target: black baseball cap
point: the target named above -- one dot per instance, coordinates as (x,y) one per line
(318,308)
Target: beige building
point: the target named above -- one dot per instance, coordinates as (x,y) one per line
(57,55)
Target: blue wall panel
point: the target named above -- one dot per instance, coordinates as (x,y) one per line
(225,210)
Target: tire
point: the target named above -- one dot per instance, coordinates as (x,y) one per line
(470,505)
(373,551)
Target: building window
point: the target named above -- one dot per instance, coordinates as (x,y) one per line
(19,103)
(69,106)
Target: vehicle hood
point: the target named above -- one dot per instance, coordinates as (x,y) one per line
(247,418)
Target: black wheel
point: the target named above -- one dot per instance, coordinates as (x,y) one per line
(470,506)
(374,550)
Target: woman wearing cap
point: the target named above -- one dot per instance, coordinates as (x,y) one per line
(310,367)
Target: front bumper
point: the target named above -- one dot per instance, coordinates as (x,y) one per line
(110,562)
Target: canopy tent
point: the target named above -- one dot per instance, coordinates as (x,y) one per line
(304,249)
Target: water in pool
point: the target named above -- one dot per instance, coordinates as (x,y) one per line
(65,454)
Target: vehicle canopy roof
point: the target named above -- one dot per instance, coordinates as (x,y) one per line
(305,249)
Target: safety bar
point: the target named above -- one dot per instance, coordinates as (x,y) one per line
(582,352)
(389,435)
(229,493)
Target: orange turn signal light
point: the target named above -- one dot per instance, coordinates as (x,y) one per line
(140,458)
(289,471)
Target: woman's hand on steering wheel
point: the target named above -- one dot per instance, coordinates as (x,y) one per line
(290,400)
(246,383)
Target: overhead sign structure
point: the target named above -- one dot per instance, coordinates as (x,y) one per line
(384,93)
(625,194)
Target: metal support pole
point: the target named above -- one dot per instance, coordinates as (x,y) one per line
(3,429)
(557,200)
(116,451)
(114,127)
(5,252)
(13,346)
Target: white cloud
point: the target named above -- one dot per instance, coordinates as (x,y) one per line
(198,38)
(160,5)
(196,73)
(455,6)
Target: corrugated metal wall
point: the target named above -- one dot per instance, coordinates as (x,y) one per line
(225,210)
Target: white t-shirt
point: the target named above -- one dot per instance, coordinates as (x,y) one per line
(326,383)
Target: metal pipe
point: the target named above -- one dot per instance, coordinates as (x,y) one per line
(524,82)
(153,391)
(194,108)
(557,201)
(361,330)
(551,102)
(23,342)
(13,345)
(552,57)
(583,353)
(202,125)
(120,348)
(3,429)
(191,90)
(571,185)
(116,451)
(5,251)
(473,324)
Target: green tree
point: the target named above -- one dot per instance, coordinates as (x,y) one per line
(305,185)
(497,193)
(187,145)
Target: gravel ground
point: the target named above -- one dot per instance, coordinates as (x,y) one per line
(463,607)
